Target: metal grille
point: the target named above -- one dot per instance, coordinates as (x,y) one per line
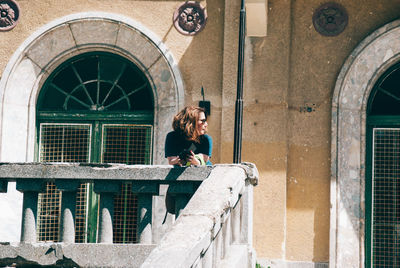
(49,214)
(125,216)
(129,144)
(62,143)
(81,214)
(386,198)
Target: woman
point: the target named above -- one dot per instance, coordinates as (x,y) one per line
(189,144)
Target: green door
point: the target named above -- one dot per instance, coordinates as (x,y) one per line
(94,108)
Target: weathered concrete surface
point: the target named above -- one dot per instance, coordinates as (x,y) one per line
(73,255)
(52,171)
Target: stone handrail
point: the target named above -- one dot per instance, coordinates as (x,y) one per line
(215,228)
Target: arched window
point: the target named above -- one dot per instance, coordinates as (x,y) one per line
(383,172)
(95,108)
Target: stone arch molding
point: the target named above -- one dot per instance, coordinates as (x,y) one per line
(364,66)
(66,37)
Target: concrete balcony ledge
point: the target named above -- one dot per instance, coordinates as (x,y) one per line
(73,255)
(91,172)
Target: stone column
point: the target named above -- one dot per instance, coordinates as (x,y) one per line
(107,191)
(145,202)
(30,189)
(68,208)
(105,232)
(145,191)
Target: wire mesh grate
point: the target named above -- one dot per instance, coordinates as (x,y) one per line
(129,144)
(62,143)
(125,216)
(386,198)
(49,214)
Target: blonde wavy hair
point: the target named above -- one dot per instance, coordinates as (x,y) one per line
(185,122)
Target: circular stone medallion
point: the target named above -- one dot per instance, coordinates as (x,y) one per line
(9,14)
(190,18)
(330,19)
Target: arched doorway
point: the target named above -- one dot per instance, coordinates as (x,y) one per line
(59,41)
(369,62)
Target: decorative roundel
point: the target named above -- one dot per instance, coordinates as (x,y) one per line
(330,19)
(190,18)
(9,14)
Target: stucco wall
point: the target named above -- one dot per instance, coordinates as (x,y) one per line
(295,67)
(189,51)
(292,68)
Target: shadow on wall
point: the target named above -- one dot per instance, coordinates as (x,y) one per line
(201,65)
(308,203)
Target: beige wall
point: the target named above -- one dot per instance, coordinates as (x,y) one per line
(292,68)
(289,69)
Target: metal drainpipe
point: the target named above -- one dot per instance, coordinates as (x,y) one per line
(237,146)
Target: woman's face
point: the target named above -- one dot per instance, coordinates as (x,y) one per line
(202,124)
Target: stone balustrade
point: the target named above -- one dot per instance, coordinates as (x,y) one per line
(215,224)
(215,228)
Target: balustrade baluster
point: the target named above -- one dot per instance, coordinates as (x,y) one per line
(68,208)
(107,191)
(105,233)
(145,191)
(30,189)
(145,202)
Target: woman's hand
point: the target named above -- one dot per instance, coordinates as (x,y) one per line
(193,160)
(175,160)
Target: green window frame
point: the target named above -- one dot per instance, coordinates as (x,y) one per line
(382,184)
(101,92)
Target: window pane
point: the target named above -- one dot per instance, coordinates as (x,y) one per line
(128,144)
(62,143)
(386,198)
